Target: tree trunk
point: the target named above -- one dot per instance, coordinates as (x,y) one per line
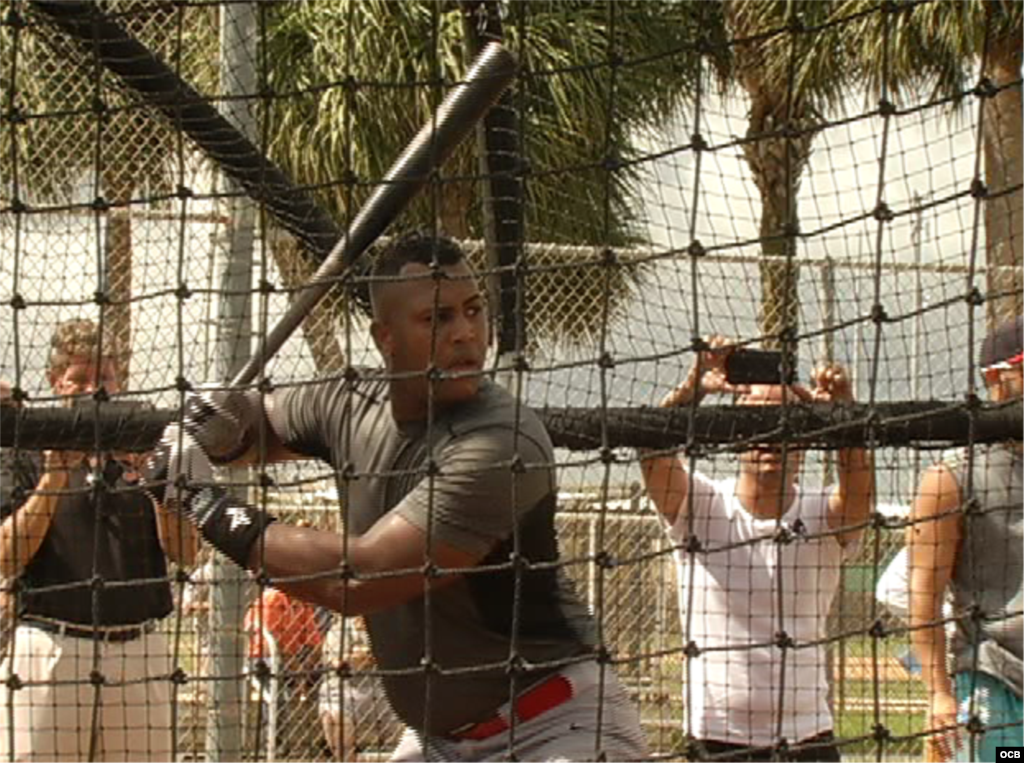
(320,325)
(117,249)
(778,185)
(453,208)
(1004,218)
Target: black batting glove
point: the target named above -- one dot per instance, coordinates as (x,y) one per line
(223,421)
(228,524)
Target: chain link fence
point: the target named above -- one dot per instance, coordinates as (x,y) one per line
(643,229)
(622,544)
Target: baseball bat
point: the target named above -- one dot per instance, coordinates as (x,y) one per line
(490,74)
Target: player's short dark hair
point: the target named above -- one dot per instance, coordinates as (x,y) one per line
(417,247)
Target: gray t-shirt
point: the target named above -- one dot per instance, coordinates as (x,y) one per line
(494,475)
(989,569)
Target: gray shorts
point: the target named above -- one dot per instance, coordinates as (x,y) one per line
(598,722)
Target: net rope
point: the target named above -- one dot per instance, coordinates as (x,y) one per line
(667,172)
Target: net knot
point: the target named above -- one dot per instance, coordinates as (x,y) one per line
(784,641)
(783,536)
(985,88)
(604,560)
(878,629)
(262,671)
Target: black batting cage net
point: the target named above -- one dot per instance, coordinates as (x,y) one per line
(195,194)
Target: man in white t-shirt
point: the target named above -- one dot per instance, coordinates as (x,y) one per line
(759,563)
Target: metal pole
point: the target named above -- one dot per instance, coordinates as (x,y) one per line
(828,340)
(498,150)
(238,40)
(915,360)
(835,616)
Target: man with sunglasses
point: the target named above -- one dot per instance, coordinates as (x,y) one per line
(966,535)
(759,560)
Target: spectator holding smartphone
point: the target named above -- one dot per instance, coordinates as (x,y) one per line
(759,560)
(73,525)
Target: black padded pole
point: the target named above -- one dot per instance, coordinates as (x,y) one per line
(160,87)
(894,424)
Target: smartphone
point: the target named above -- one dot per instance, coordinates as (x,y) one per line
(757,367)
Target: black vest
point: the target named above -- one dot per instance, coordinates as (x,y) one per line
(101,561)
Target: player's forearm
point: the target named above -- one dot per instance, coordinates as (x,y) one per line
(288,554)
(22,533)
(286,551)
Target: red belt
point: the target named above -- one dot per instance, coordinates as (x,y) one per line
(536,700)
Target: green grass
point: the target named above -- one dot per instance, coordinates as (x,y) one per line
(857,723)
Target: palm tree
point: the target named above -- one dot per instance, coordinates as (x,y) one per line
(936,46)
(53,150)
(353,81)
(791,80)
(342,71)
